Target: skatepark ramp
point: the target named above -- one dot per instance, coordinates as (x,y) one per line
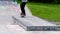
(32,23)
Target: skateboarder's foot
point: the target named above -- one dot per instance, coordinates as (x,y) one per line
(23,15)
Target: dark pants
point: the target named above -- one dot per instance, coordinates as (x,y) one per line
(22,5)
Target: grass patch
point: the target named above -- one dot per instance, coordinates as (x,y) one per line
(49,12)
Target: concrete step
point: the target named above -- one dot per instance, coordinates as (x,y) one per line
(32,23)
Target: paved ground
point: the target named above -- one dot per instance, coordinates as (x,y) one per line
(6,27)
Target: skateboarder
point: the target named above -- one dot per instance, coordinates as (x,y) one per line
(22,5)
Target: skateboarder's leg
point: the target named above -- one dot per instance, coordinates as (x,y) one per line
(22,7)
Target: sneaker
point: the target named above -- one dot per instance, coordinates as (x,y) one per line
(23,15)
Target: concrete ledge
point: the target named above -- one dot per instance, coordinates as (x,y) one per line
(57,23)
(32,23)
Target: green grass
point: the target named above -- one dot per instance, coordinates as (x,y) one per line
(50,12)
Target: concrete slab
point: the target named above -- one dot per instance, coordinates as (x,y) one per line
(32,23)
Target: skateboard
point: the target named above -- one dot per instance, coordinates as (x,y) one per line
(22,16)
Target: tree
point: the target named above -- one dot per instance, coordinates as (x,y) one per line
(43,1)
